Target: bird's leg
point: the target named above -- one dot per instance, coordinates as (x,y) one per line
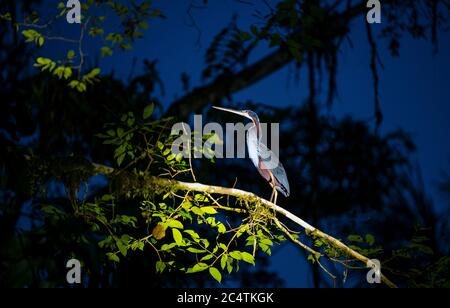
(273,199)
(271,196)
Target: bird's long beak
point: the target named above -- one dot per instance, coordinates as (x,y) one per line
(241,113)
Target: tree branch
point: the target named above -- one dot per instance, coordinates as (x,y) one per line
(238,193)
(227,84)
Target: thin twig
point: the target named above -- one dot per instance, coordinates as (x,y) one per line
(189,151)
(157,252)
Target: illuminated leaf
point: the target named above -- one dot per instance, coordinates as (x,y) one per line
(215,273)
(174,224)
(199,267)
(177,237)
(247,257)
(208,210)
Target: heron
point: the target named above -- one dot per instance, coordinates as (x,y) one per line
(265,160)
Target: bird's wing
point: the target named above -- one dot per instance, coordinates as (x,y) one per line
(271,162)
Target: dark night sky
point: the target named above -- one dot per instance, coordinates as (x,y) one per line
(414,88)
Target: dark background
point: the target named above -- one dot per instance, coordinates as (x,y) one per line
(396,186)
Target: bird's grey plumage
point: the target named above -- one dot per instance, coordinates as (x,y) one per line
(265,160)
(258,153)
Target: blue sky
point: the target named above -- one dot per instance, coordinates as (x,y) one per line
(414,88)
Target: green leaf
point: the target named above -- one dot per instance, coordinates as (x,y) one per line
(166,247)
(370,239)
(122,247)
(221,228)
(197,210)
(160,145)
(95,31)
(44,64)
(59,71)
(137,245)
(199,267)
(70,54)
(63,71)
(223,261)
(120,132)
(33,36)
(120,159)
(95,72)
(67,72)
(130,121)
(160,266)
(106,51)
(208,210)
(73,83)
(193,234)
(312,259)
(205,242)
(236,255)
(265,248)
(318,243)
(126,46)
(174,224)
(186,204)
(248,257)
(207,257)
(266,241)
(80,86)
(229,266)
(113,257)
(156,13)
(200,197)
(177,237)
(215,273)
(143,25)
(195,250)
(148,111)
(107,197)
(114,38)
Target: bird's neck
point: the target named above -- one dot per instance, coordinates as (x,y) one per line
(257,129)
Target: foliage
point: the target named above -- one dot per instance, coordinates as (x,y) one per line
(189,231)
(131,20)
(134,225)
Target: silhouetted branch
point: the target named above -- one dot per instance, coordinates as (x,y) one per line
(373,68)
(224,85)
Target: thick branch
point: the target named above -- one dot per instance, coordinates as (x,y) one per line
(229,83)
(198,187)
(248,195)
